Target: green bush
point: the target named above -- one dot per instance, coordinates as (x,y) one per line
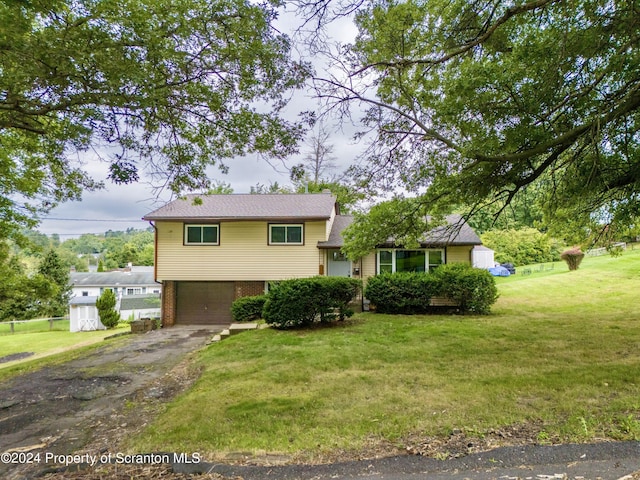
(106,305)
(472,289)
(524,246)
(304,301)
(405,292)
(246,309)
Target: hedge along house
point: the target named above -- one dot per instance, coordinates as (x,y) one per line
(213,249)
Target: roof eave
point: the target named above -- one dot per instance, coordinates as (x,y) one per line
(237,219)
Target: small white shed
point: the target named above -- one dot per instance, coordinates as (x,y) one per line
(482,257)
(83,315)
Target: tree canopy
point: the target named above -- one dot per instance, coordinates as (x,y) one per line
(164,87)
(469,102)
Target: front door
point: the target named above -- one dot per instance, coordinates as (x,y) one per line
(338,265)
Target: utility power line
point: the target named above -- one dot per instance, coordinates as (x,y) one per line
(108,220)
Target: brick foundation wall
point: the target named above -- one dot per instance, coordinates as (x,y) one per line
(248,289)
(168,312)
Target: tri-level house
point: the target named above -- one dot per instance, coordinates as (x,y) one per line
(213,249)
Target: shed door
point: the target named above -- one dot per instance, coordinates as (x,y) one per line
(204,303)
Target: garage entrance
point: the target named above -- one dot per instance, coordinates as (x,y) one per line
(204,303)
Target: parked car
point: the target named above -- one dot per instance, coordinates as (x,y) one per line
(510,267)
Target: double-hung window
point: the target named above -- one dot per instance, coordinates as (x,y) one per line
(201,234)
(397,260)
(286,234)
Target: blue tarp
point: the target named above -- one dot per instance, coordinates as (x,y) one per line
(499,272)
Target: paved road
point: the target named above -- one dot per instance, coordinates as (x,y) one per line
(606,461)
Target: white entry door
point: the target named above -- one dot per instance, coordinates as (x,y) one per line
(338,265)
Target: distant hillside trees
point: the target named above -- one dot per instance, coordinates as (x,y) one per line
(116,249)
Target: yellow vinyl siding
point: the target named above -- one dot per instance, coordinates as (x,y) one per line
(243,254)
(459,254)
(329,224)
(369,265)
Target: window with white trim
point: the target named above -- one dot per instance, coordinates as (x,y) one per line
(208,234)
(398,260)
(286,234)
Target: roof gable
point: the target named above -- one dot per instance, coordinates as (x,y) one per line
(280,207)
(456,231)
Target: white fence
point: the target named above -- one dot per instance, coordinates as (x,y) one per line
(11,326)
(596,252)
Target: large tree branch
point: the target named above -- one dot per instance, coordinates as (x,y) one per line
(487,33)
(630,104)
(355,96)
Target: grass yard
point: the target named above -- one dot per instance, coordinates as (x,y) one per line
(45,343)
(31,326)
(560,351)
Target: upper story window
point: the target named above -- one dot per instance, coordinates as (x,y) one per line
(397,260)
(287,234)
(201,234)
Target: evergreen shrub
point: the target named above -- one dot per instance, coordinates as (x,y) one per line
(402,292)
(247,309)
(472,289)
(106,305)
(304,301)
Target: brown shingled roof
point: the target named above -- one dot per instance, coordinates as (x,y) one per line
(455,232)
(247,207)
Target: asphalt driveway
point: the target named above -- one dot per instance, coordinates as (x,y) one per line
(61,409)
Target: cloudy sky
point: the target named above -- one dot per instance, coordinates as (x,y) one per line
(119,207)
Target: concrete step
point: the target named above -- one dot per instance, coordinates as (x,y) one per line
(235,328)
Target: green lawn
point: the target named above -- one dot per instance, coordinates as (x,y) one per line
(32,326)
(560,350)
(45,343)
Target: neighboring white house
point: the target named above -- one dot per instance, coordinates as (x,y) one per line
(138,281)
(86,287)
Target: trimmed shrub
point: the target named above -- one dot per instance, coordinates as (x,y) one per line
(573,257)
(473,289)
(404,292)
(246,309)
(304,301)
(106,305)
